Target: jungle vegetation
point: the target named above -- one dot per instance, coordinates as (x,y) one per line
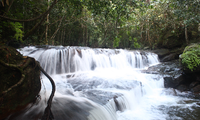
(127,24)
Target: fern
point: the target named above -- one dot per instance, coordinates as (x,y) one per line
(17,27)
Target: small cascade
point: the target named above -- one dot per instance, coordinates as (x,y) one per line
(74,59)
(102,84)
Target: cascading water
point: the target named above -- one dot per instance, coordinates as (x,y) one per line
(104,84)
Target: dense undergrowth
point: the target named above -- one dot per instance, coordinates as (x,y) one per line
(190,58)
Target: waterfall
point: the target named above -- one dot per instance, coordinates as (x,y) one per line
(74,59)
(102,84)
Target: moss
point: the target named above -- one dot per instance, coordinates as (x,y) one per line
(190,58)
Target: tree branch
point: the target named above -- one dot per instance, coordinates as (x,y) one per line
(9,6)
(33,29)
(32,19)
(53,36)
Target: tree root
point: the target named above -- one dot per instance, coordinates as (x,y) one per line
(47,113)
(18,67)
(18,83)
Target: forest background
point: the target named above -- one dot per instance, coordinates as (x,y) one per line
(130,24)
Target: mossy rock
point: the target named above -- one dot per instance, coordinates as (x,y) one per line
(14,67)
(190,58)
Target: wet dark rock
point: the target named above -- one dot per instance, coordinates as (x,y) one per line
(166,55)
(79,53)
(90,91)
(99,96)
(171,68)
(70,75)
(193,84)
(196,89)
(117,103)
(174,77)
(170,57)
(162,52)
(198,103)
(173,82)
(182,88)
(198,77)
(169,82)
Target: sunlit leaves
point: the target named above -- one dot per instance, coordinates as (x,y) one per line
(17,27)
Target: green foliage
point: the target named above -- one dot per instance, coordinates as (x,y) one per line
(17,27)
(96,23)
(191,57)
(116,41)
(136,44)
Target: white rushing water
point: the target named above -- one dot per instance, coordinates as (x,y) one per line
(105,84)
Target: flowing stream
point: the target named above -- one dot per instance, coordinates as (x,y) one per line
(105,84)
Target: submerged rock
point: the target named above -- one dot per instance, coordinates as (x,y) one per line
(170,68)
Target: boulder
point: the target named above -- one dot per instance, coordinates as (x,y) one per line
(19,81)
(173,82)
(193,84)
(196,89)
(169,57)
(182,88)
(169,82)
(166,55)
(162,52)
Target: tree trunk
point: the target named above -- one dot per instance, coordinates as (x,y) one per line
(186,35)
(85,35)
(47,26)
(54,34)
